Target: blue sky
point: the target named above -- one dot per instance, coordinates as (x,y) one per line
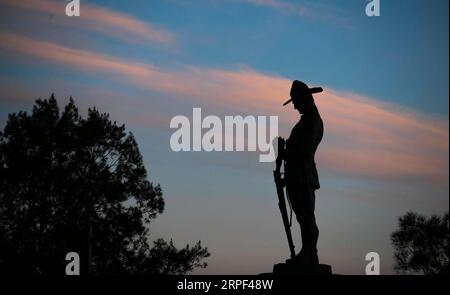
(385,108)
(367,55)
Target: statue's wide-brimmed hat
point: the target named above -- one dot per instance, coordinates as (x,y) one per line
(299,88)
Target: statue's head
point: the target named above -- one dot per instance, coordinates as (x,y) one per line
(301,96)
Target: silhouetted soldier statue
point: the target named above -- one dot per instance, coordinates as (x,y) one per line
(300,173)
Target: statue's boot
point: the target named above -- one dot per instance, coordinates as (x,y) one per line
(305,258)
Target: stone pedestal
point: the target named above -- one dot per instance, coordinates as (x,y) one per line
(299,269)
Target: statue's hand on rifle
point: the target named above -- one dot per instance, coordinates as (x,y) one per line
(281,147)
(280,156)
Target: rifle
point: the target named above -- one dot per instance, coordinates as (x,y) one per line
(279,182)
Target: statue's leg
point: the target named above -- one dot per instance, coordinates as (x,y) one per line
(303,203)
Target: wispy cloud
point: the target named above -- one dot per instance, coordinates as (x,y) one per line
(310,11)
(97,19)
(363,136)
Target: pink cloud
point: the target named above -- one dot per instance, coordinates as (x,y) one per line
(99,19)
(363,136)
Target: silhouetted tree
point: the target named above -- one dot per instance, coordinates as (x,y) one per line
(74,184)
(421,244)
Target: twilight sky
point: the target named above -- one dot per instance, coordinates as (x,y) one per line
(385,108)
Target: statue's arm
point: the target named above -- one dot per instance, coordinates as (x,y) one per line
(306,143)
